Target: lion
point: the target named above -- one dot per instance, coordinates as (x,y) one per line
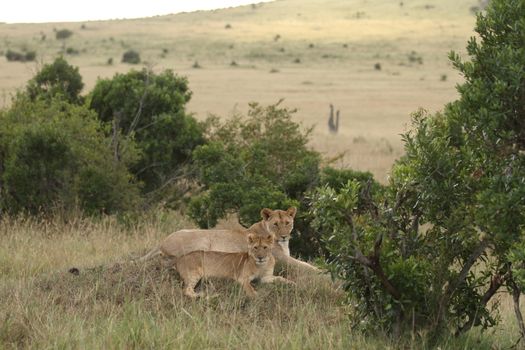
(279,223)
(257,263)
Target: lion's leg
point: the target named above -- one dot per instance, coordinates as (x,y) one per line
(189,286)
(290,262)
(190,276)
(273,279)
(248,288)
(151,254)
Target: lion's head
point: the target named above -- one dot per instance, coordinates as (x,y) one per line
(260,247)
(279,222)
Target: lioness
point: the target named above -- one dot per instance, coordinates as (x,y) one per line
(279,223)
(258,262)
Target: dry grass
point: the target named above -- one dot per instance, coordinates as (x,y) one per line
(349,37)
(116,303)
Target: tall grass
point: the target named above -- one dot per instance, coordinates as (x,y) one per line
(114,302)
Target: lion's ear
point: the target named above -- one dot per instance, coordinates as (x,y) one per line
(269,238)
(291,211)
(266,213)
(251,238)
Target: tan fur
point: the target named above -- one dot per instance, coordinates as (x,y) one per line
(279,223)
(258,262)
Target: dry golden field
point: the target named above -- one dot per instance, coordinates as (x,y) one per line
(309,52)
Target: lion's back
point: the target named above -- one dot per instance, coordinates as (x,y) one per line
(183,242)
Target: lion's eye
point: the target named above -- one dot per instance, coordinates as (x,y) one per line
(265,248)
(275,224)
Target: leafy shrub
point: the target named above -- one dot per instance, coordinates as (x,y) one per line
(63,34)
(56,79)
(150,108)
(446,234)
(54,155)
(131,56)
(261,160)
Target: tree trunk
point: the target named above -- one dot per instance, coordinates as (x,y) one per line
(516,293)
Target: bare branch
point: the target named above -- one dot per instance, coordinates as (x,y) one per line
(516,298)
(480,249)
(495,283)
(373,261)
(115,140)
(135,121)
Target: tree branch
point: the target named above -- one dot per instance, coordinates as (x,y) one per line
(480,249)
(495,283)
(115,140)
(136,119)
(516,298)
(373,261)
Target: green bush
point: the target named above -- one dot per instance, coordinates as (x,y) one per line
(432,249)
(54,155)
(261,160)
(131,56)
(54,80)
(150,108)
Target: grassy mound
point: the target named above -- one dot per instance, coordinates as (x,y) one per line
(126,304)
(133,305)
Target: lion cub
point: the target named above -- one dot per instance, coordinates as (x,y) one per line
(258,262)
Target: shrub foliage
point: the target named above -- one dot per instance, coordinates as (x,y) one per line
(261,160)
(127,145)
(150,108)
(56,79)
(54,155)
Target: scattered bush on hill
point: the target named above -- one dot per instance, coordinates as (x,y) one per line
(131,56)
(14,56)
(63,34)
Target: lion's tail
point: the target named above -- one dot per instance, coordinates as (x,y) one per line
(151,254)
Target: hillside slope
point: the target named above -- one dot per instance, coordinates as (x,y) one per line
(310,52)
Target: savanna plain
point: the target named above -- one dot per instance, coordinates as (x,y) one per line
(75,285)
